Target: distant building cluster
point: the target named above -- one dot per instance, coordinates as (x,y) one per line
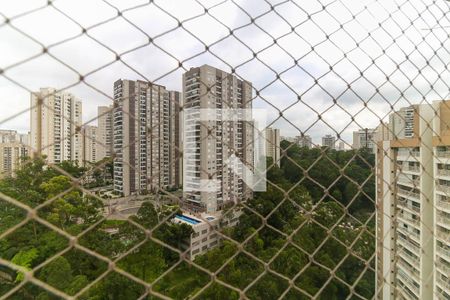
(14,147)
(144,135)
(57,131)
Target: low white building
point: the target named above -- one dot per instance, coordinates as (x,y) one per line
(205,227)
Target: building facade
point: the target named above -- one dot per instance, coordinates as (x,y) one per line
(145,137)
(273,144)
(365,138)
(12,136)
(304,141)
(55,123)
(413,216)
(329,141)
(90,145)
(209,144)
(105,132)
(12,155)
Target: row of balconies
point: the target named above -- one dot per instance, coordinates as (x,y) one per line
(443,219)
(408,193)
(408,281)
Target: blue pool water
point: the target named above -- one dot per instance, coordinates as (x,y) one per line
(187,219)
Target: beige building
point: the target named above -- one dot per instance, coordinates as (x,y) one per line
(55,121)
(11,156)
(90,145)
(12,136)
(209,183)
(205,227)
(273,144)
(105,132)
(329,141)
(413,215)
(145,137)
(304,141)
(365,138)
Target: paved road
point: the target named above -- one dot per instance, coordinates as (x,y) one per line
(122,208)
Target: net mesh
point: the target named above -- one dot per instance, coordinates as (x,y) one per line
(321,67)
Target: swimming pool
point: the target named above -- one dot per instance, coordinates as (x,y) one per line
(187,219)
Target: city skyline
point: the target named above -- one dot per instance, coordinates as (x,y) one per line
(299,79)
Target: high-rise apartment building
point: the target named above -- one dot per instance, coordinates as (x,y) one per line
(90,145)
(304,141)
(413,204)
(365,138)
(145,137)
(209,144)
(55,121)
(273,144)
(329,141)
(105,132)
(11,156)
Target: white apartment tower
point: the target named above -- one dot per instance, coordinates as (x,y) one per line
(145,137)
(210,143)
(55,124)
(329,141)
(13,149)
(365,138)
(272,136)
(413,206)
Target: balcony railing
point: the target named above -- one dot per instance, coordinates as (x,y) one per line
(443,219)
(415,182)
(409,206)
(414,221)
(442,283)
(411,270)
(443,188)
(445,154)
(442,235)
(409,153)
(443,250)
(412,168)
(408,281)
(410,246)
(444,172)
(443,204)
(409,193)
(443,268)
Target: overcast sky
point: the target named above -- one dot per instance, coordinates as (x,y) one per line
(368,55)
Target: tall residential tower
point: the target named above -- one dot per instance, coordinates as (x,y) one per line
(55,125)
(104,132)
(413,206)
(209,143)
(145,137)
(273,144)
